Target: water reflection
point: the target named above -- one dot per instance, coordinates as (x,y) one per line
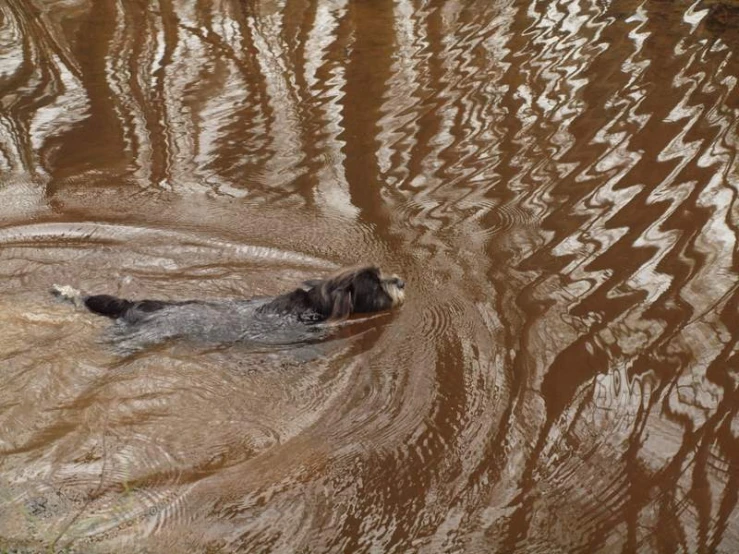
(557,182)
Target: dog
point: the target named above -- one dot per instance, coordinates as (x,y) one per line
(289,318)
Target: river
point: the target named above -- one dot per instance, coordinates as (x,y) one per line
(557,184)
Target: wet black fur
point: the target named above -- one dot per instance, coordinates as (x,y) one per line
(350,292)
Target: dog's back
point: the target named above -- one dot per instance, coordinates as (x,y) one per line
(144,323)
(284,319)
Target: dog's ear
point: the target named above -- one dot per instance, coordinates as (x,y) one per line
(374,271)
(342,303)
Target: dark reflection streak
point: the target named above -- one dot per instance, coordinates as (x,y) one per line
(449,94)
(368,70)
(214,46)
(253,119)
(244,13)
(677,318)
(719,372)
(138,114)
(299,20)
(454,93)
(559,383)
(100,133)
(222,58)
(699,442)
(635,476)
(32,54)
(642,489)
(666,480)
(513,328)
(7,103)
(446,413)
(731,491)
(444,147)
(506,129)
(596,89)
(216,42)
(429,122)
(575,359)
(700,492)
(671,534)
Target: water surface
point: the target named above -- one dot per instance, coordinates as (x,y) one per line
(556,181)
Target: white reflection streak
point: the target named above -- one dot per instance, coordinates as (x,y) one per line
(442,139)
(220,105)
(332,192)
(717,242)
(10,160)
(11,44)
(177,120)
(398,108)
(284,136)
(62,114)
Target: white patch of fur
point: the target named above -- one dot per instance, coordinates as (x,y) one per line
(392,290)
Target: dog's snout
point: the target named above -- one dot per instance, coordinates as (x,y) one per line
(399,283)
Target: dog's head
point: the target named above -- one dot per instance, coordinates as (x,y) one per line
(356,291)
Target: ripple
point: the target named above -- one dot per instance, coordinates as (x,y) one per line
(100,233)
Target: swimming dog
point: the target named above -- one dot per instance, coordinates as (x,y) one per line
(285,319)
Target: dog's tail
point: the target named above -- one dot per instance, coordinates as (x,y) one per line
(69,294)
(101,304)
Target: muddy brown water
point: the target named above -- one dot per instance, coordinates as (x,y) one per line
(556,181)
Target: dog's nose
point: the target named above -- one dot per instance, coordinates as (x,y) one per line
(399,283)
